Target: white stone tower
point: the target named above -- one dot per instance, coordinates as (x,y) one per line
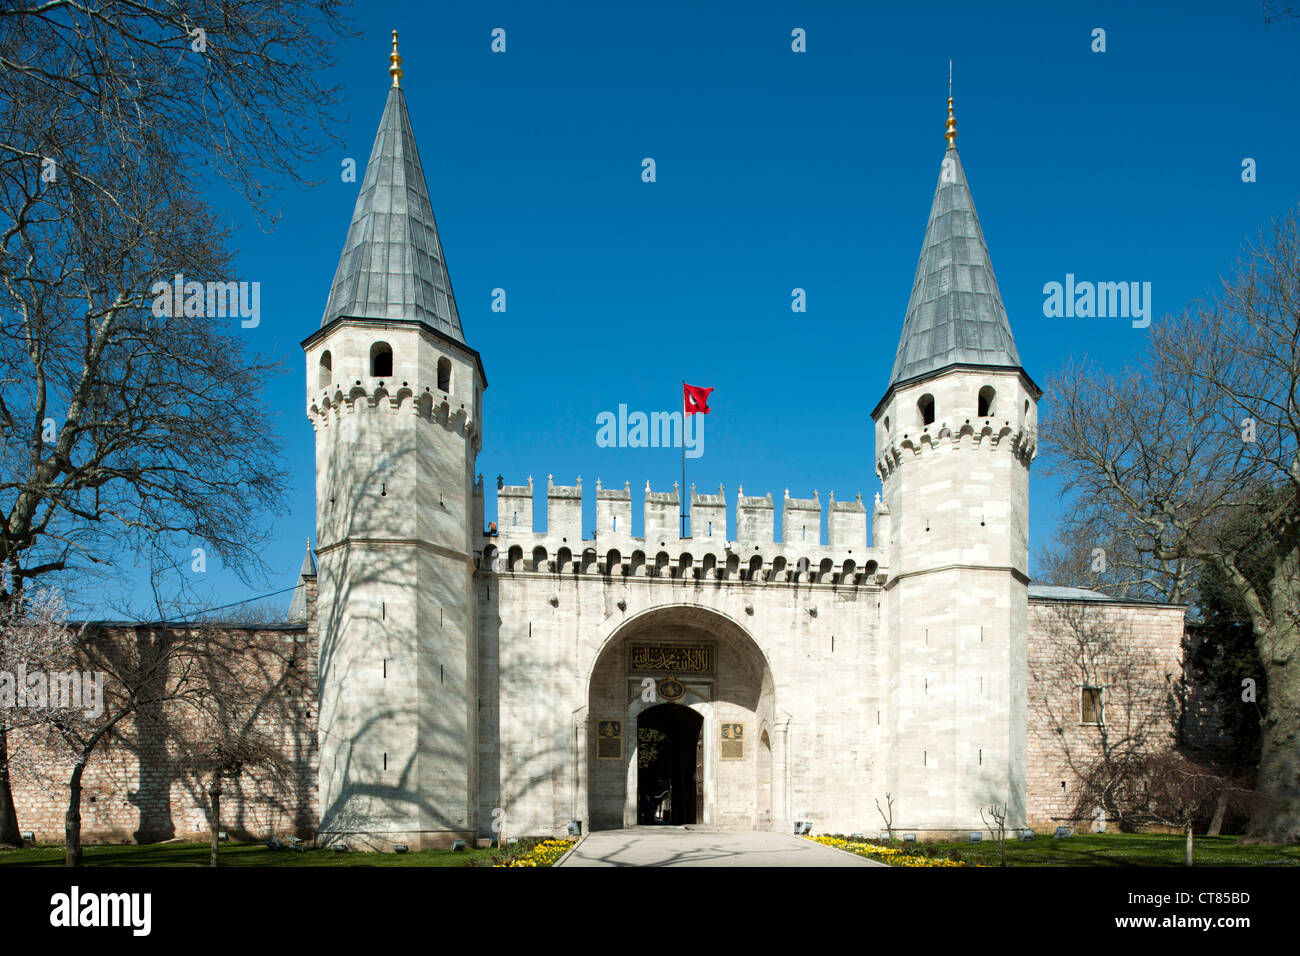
(395,397)
(954,439)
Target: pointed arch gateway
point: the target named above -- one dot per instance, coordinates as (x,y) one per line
(678,697)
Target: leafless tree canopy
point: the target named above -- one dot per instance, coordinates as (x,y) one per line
(1163,456)
(226,89)
(123,432)
(1279,9)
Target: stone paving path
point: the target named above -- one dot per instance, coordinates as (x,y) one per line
(681,846)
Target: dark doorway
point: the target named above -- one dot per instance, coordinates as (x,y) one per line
(669,776)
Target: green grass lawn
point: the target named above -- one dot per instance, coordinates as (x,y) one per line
(245,854)
(1113,849)
(1090,849)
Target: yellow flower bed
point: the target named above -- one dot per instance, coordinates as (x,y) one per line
(894,856)
(542,854)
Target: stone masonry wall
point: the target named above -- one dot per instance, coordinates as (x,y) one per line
(137,788)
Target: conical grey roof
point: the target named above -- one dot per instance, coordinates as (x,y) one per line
(298,603)
(955,315)
(308,563)
(392,265)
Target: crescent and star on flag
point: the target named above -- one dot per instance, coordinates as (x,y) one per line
(695,399)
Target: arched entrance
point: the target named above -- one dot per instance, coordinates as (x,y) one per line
(696,680)
(670,766)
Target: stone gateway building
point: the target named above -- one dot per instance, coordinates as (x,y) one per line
(468,678)
(472,680)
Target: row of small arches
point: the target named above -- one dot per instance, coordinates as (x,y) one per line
(985,407)
(426,406)
(614,563)
(381,366)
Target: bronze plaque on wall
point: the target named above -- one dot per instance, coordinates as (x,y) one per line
(609,740)
(733,742)
(674,658)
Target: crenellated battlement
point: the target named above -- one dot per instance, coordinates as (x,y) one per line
(429,404)
(968,436)
(708,552)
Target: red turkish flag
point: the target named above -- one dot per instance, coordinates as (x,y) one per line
(695,399)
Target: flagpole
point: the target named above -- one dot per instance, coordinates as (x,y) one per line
(682,500)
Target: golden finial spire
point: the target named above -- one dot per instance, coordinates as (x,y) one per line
(951,134)
(395,63)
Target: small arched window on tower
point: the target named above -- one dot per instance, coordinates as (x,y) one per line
(326,369)
(381,360)
(986,401)
(444,374)
(886,424)
(925,406)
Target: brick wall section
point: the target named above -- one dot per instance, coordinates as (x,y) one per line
(137,790)
(1135,655)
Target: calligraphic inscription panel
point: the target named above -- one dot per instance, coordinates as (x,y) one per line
(674,658)
(732,742)
(609,740)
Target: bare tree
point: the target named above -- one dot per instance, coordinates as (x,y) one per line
(37,656)
(998,828)
(226,91)
(225,760)
(1173,450)
(179,690)
(141,678)
(127,429)
(1164,789)
(225,737)
(1095,548)
(887,814)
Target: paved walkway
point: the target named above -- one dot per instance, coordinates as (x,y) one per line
(678,846)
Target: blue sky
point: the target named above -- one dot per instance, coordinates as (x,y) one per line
(775,170)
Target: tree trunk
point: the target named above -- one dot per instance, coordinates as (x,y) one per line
(1275,817)
(72,820)
(215,791)
(1220,810)
(1188,861)
(10,835)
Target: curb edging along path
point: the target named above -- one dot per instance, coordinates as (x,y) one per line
(568,853)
